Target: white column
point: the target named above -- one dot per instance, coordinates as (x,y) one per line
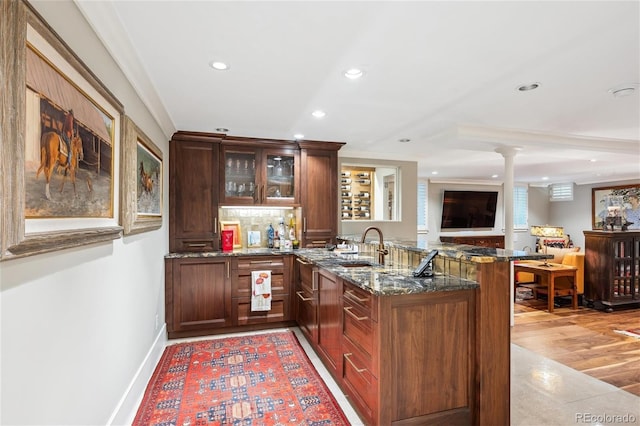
(508,153)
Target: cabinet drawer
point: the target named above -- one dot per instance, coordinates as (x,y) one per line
(243,315)
(307,314)
(305,275)
(361,299)
(318,242)
(242,285)
(357,327)
(256,263)
(197,245)
(362,386)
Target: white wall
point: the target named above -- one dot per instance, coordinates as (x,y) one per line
(576,215)
(78,325)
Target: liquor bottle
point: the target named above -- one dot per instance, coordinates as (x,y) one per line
(292,228)
(281,234)
(271,233)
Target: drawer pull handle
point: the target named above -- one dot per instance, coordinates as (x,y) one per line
(319,242)
(347,309)
(304,299)
(302,261)
(197,244)
(348,358)
(253,262)
(353,294)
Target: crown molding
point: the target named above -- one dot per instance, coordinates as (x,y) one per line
(510,137)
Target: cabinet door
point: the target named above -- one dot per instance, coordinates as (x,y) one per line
(193,196)
(330,320)
(200,294)
(319,197)
(241,167)
(281,177)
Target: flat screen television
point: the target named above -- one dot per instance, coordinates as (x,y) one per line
(468,209)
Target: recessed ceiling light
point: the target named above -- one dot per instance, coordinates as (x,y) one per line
(298,136)
(527,87)
(434,172)
(494,176)
(353,73)
(404,140)
(220,66)
(623,90)
(545,178)
(593,160)
(318,113)
(222,129)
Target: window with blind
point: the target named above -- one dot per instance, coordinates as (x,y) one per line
(422,206)
(561,192)
(520,207)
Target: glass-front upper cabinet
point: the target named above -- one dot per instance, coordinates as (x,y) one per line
(240,183)
(259,176)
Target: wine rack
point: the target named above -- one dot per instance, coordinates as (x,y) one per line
(356,193)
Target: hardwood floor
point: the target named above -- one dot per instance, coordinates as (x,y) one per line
(583,339)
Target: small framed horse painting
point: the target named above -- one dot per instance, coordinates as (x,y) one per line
(142,177)
(62,161)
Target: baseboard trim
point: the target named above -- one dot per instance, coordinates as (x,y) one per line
(126,408)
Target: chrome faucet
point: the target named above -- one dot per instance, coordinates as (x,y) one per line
(381,250)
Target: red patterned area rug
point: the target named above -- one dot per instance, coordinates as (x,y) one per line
(264,379)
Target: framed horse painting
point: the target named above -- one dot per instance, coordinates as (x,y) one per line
(141,177)
(60,163)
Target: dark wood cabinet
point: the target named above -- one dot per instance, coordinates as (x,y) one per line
(241,284)
(612,268)
(492,241)
(319,192)
(360,341)
(394,350)
(197,295)
(330,320)
(306,299)
(259,172)
(193,192)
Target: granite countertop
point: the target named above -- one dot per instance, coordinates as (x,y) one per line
(456,251)
(382,280)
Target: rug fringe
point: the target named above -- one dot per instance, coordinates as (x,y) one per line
(628,333)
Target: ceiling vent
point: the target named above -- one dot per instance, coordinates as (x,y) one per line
(561,192)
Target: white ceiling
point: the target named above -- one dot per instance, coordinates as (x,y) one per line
(443,74)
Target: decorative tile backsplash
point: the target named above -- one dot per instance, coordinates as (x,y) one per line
(258,219)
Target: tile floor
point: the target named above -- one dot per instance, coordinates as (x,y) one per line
(543,393)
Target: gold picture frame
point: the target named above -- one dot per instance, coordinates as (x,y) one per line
(237,231)
(24,29)
(142,176)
